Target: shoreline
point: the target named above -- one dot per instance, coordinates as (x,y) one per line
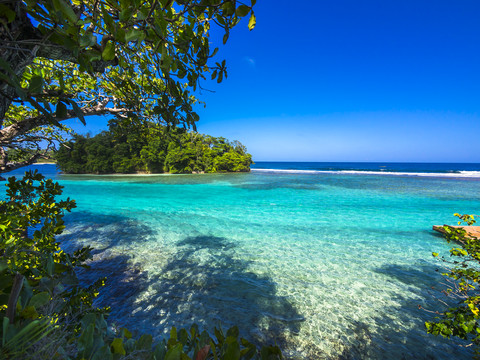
(473,175)
(156,174)
(141,173)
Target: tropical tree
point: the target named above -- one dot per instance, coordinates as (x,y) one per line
(61,59)
(151,148)
(137,60)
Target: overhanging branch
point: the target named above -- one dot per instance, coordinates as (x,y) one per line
(21,127)
(16,165)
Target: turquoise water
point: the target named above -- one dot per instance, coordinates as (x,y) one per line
(327,265)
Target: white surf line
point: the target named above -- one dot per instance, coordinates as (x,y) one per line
(461,174)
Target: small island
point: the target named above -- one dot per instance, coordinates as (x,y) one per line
(151,149)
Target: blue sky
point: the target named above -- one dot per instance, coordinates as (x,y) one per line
(345,80)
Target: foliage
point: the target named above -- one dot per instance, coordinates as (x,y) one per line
(52,316)
(38,284)
(62,59)
(140,61)
(463,279)
(151,148)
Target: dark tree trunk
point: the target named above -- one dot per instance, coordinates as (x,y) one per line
(16,54)
(20,44)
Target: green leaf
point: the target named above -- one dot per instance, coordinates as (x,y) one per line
(173,334)
(78,112)
(108,20)
(88,319)
(6,322)
(144,343)
(242,10)
(36,84)
(66,10)
(161,24)
(109,52)
(160,351)
(252,22)
(249,350)
(270,352)
(28,335)
(183,336)
(85,342)
(117,346)
(39,299)
(233,331)
(7,13)
(29,313)
(233,349)
(61,111)
(127,333)
(134,35)
(103,353)
(228,8)
(125,14)
(50,264)
(219,336)
(87,40)
(175,353)
(3,264)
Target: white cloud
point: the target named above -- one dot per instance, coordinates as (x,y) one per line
(249,60)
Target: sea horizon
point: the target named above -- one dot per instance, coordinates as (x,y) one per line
(458,170)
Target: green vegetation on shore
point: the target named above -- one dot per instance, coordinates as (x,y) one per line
(49,314)
(137,60)
(151,148)
(462,275)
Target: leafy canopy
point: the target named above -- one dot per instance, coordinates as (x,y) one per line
(129,58)
(151,148)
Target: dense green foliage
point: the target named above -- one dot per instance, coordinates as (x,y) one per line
(140,61)
(49,315)
(153,149)
(463,279)
(63,59)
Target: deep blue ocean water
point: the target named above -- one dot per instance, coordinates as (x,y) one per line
(330,260)
(375,168)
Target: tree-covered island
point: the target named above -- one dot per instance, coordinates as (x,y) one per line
(151,148)
(139,61)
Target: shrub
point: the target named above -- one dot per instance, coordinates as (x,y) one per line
(463,278)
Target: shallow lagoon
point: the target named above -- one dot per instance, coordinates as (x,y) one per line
(326,265)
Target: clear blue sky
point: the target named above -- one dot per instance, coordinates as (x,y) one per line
(349,80)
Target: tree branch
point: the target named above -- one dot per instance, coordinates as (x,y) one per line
(16,165)
(19,128)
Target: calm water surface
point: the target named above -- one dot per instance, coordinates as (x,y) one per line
(327,264)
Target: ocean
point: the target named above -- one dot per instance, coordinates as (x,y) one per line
(328,260)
